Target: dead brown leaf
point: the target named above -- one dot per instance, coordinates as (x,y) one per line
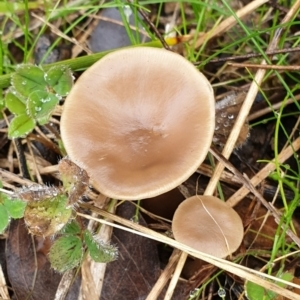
(136,270)
(22,268)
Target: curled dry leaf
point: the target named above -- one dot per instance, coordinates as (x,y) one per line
(75,179)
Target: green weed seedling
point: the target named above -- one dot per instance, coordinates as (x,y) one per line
(66,253)
(49,211)
(68,250)
(10,208)
(33,96)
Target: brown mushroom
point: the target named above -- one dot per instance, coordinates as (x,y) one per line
(139,121)
(209,225)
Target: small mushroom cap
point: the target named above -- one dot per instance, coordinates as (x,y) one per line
(140,121)
(209,225)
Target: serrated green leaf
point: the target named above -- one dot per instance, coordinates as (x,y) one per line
(40,105)
(72,228)
(99,251)
(4,218)
(20,126)
(14,103)
(60,79)
(47,216)
(66,253)
(15,207)
(27,79)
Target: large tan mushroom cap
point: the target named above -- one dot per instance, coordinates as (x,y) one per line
(139,121)
(209,225)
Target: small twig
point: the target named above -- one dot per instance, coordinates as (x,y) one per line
(51,128)
(152,26)
(3,286)
(59,33)
(36,169)
(93,272)
(252,55)
(7,192)
(9,176)
(266,67)
(21,158)
(269,109)
(64,284)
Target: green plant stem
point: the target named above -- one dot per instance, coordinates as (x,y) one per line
(137,210)
(8,7)
(26,30)
(79,63)
(219,187)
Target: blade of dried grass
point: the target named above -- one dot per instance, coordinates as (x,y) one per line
(93,272)
(229,22)
(267,67)
(64,284)
(264,172)
(269,109)
(176,275)
(3,286)
(164,276)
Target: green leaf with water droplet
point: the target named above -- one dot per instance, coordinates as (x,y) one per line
(60,79)
(40,105)
(100,251)
(15,207)
(48,215)
(72,228)
(27,79)
(66,253)
(20,126)
(4,218)
(14,103)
